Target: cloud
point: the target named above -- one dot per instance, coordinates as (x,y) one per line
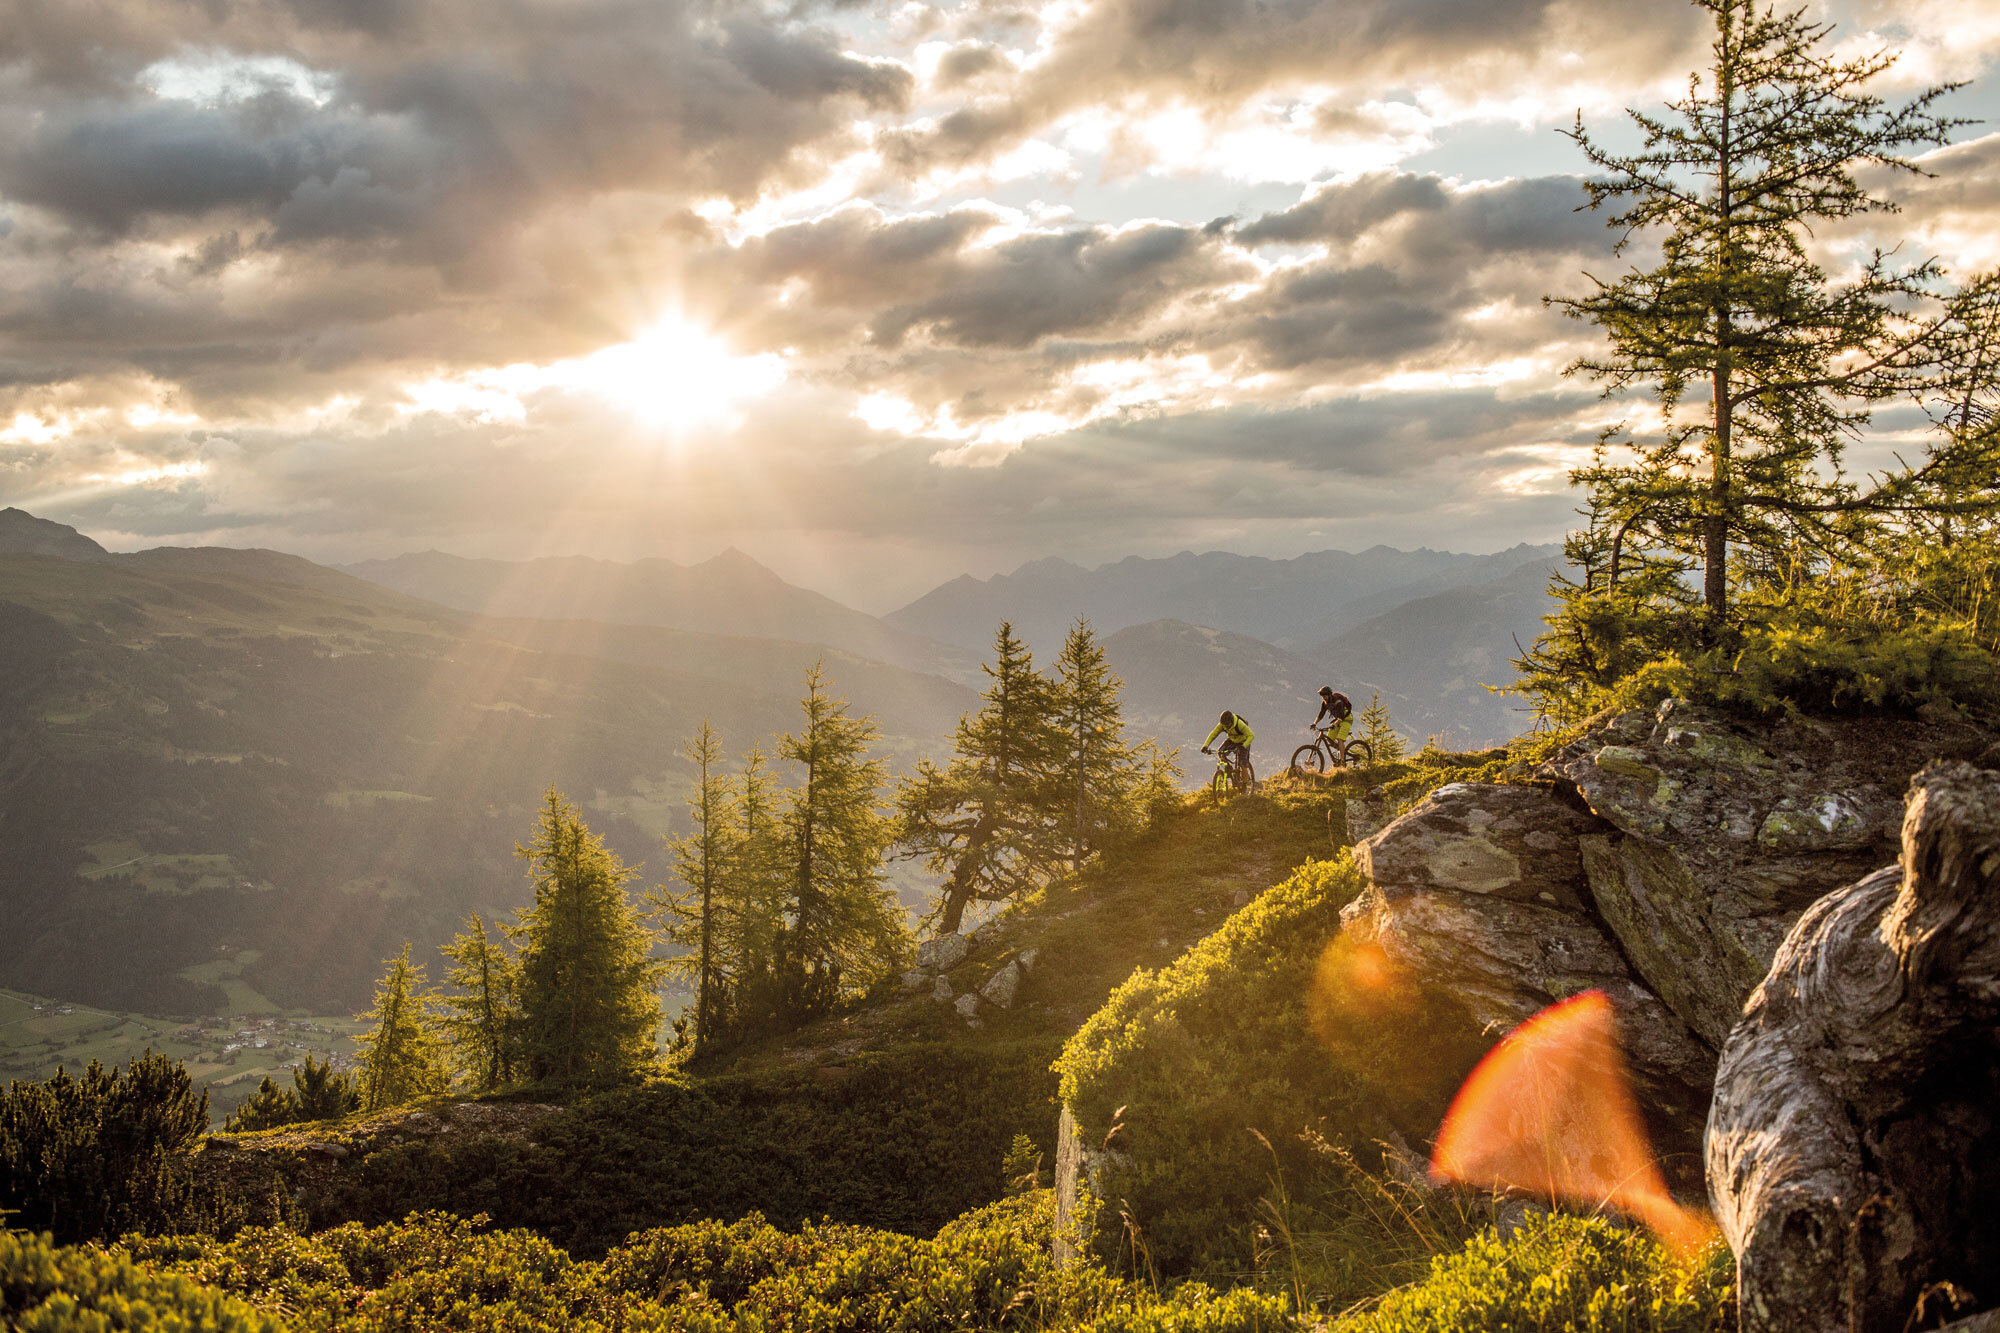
(1020,276)
(1540,58)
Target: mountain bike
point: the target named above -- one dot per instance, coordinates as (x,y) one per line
(1324,754)
(1231,777)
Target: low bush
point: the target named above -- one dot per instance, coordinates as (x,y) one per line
(91,1157)
(435,1274)
(989,1270)
(904,1142)
(44,1289)
(1214,1080)
(1560,1274)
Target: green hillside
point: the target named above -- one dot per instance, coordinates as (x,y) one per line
(235,781)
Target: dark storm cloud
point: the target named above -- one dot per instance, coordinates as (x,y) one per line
(1408,257)
(1543,213)
(430,194)
(1080,281)
(1219,52)
(107,166)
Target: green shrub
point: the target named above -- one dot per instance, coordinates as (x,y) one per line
(317,1093)
(1223,1061)
(905,1142)
(44,1289)
(990,1269)
(1561,1274)
(88,1158)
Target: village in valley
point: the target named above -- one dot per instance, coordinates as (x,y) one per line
(230,1054)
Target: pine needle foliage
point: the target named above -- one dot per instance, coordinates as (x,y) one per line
(1098,774)
(317,1093)
(1728,555)
(760,892)
(1385,743)
(1767,146)
(482,1018)
(589,1012)
(694,918)
(402,1057)
(982,821)
(90,1158)
(845,929)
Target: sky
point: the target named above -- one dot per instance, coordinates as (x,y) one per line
(879,293)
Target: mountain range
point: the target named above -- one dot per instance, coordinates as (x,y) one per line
(729,594)
(234,778)
(1296,603)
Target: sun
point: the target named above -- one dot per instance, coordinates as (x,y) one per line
(676,375)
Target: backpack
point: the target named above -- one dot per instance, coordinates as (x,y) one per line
(1341,707)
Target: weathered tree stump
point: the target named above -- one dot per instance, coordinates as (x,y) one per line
(1854,1142)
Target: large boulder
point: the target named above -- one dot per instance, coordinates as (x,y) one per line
(1854,1141)
(1719,832)
(944,952)
(1661,857)
(1513,842)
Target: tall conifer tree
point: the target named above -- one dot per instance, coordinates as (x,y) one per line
(697,915)
(845,926)
(759,898)
(1097,777)
(589,1012)
(482,1020)
(985,821)
(1764,150)
(402,1057)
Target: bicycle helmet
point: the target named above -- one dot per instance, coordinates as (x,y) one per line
(1228,718)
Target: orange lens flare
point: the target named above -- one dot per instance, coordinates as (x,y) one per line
(1550,1110)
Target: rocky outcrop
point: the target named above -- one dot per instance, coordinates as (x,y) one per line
(304,1163)
(1517,843)
(1854,1144)
(1661,857)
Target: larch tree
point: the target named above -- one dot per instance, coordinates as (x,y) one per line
(984,820)
(402,1057)
(482,1018)
(845,928)
(696,916)
(1096,772)
(1767,149)
(759,897)
(589,1011)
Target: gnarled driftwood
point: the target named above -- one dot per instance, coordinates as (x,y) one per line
(1854,1141)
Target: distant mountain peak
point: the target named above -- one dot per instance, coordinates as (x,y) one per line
(733,559)
(21,533)
(1050,564)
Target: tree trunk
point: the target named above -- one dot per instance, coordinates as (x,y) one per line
(957,890)
(1854,1140)
(1715,525)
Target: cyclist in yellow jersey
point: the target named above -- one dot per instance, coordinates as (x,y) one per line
(1236,736)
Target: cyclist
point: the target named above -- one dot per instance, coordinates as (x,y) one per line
(1337,707)
(1236,735)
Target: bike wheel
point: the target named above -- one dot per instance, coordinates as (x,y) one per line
(1218,786)
(1308,759)
(1246,778)
(1359,755)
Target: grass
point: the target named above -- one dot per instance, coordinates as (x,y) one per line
(1142,905)
(228,974)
